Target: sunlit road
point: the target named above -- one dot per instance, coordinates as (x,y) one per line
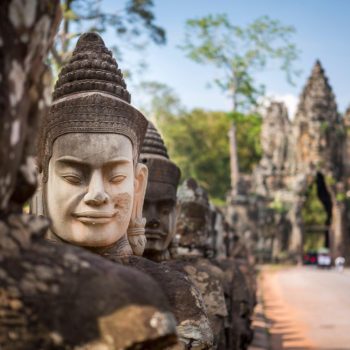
(306,308)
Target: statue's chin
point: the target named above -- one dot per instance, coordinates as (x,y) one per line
(155,245)
(91,236)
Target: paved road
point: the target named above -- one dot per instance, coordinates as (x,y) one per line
(306,308)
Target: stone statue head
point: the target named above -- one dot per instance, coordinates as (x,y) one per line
(194,219)
(92,184)
(274,135)
(160,202)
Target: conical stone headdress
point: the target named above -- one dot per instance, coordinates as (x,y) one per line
(90,96)
(160,168)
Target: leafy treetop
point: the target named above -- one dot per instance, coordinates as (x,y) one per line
(240,52)
(133,22)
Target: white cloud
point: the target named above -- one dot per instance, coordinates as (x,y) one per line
(290,100)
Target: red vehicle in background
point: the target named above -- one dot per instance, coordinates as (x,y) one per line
(320,258)
(310,258)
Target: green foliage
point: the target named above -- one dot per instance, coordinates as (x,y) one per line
(197,142)
(340,197)
(330,181)
(239,52)
(313,212)
(313,241)
(132,20)
(160,100)
(324,127)
(248,128)
(278,206)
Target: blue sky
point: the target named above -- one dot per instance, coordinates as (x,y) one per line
(323,31)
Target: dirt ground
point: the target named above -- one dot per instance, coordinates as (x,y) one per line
(302,308)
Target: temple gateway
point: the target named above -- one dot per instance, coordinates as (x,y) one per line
(304,159)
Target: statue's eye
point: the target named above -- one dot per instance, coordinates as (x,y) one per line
(72,179)
(116,179)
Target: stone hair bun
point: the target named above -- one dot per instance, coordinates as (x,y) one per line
(155,155)
(90,96)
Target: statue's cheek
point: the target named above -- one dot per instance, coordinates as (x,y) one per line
(123,204)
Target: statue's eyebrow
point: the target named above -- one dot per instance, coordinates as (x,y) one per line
(117,161)
(73,161)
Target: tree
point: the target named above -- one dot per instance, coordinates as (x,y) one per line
(26,34)
(160,101)
(239,52)
(248,128)
(132,23)
(197,142)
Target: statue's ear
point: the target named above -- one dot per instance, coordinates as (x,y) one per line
(140,185)
(136,229)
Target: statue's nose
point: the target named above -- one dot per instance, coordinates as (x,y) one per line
(153,223)
(152,217)
(96,194)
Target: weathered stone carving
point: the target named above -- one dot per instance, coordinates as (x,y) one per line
(187,302)
(274,137)
(160,201)
(195,245)
(56,296)
(92,185)
(238,279)
(194,220)
(311,149)
(316,123)
(160,211)
(59,296)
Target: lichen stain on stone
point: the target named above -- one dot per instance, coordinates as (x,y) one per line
(17,79)
(22,13)
(191,270)
(202,276)
(160,321)
(194,292)
(131,320)
(196,334)
(43,272)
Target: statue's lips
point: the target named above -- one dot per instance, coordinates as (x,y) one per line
(94,217)
(154,234)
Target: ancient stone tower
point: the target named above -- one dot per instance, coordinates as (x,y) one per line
(317,127)
(312,151)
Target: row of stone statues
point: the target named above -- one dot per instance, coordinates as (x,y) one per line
(160,268)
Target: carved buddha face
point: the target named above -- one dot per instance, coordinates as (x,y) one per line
(193,225)
(194,217)
(91,187)
(160,211)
